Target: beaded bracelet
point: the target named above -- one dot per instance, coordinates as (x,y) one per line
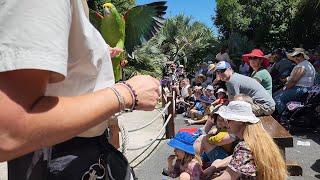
(133,94)
(122,103)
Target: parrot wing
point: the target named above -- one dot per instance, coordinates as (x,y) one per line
(95,19)
(142,23)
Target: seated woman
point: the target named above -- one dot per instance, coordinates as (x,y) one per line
(299,82)
(259,63)
(186,166)
(256,156)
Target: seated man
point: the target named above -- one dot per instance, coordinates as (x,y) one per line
(240,84)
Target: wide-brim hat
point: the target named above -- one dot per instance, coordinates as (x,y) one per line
(296,52)
(239,111)
(183,141)
(258,54)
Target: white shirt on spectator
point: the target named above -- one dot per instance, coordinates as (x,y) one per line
(307,80)
(55,36)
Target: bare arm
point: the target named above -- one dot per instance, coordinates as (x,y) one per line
(29,120)
(297,74)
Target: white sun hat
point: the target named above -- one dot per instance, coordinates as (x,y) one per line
(238,111)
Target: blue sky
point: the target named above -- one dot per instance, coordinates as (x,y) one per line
(200,10)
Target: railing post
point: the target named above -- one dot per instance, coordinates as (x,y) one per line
(163,100)
(170,132)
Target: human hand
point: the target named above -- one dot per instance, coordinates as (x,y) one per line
(147,91)
(115,51)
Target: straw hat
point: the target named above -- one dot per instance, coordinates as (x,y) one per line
(296,52)
(211,67)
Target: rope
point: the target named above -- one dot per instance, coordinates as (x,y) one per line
(154,119)
(154,148)
(152,141)
(124,138)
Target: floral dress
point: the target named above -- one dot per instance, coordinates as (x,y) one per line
(242,162)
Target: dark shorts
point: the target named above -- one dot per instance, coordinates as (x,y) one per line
(72,159)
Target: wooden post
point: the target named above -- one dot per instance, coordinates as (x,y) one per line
(163,100)
(170,132)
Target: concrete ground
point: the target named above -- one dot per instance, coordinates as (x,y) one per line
(307,156)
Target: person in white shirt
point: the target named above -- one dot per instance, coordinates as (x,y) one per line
(56,83)
(298,83)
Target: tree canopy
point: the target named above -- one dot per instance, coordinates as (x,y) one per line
(272,23)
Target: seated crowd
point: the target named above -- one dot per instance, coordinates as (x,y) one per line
(232,144)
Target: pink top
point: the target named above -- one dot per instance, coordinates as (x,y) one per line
(193,169)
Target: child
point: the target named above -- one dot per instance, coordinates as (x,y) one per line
(221,99)
(186,166)
(210,143)
(200,117)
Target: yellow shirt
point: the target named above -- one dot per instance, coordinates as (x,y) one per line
(217,138)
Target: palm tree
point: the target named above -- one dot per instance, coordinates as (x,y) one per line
(181,40)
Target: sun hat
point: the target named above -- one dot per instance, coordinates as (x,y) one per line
(210,87)
(211,67)
(258,54)
(239,111)
(205,99)
(298,51)
(183,141)
(221,90)
(222,65)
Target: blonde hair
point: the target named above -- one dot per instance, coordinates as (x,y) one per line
(267,157)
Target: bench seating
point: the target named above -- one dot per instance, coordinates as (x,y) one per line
(283,139)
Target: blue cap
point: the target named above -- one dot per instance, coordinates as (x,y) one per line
(222,65)
(183,141)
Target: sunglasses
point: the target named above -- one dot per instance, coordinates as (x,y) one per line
(254,58)
(220,70)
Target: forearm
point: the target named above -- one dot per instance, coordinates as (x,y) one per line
(223,163)
(52,120)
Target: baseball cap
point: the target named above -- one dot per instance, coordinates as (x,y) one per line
(222,65)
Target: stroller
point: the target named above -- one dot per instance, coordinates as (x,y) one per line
(303,115)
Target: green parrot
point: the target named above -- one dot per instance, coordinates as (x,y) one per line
(137,25)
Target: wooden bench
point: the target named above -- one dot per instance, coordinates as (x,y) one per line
(283,139)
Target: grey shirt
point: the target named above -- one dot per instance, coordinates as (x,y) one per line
(240,84)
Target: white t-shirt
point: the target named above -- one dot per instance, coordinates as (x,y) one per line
(307,80)
(55,36)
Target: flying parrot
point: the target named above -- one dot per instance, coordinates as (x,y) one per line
(137,25)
